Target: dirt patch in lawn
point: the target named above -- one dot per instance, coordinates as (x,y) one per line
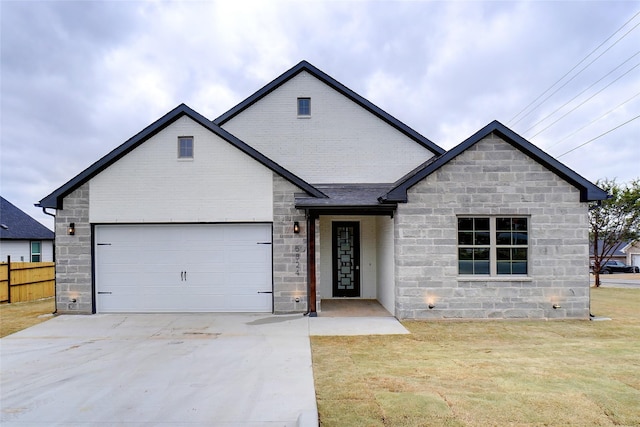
(21,315)
(532,373)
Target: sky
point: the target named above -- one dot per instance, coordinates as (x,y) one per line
(78,78)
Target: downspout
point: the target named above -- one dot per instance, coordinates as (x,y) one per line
(55,287)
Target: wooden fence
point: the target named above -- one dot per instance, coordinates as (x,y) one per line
(26,281)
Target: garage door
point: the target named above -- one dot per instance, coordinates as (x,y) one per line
(183,268)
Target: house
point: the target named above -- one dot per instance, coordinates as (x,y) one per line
(632,253)
(617,252)
(627,252)
(23,238)
(306,191)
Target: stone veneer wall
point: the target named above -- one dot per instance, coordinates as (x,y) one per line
(73,254)
(492,178)
(289,250)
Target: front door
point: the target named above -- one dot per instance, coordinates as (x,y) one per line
(346,259)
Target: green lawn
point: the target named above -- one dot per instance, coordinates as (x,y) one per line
(496,373)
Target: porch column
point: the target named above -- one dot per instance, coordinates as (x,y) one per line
(311,263)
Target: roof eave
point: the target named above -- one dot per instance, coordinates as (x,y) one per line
(54,200)
(588,191)
(387,209)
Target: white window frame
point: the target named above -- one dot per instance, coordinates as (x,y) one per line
(32,253)
(493,246)
(180,156)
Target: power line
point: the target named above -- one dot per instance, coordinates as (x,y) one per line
(599,136)
(573,68)
(578,95)
(576,75)
(585,101)
(592,121)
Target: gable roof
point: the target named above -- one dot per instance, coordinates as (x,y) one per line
(618,248)
(339,87)
(588,190)
(629,246)
(54,200)
(15,224)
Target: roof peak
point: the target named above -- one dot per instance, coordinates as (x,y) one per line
(588,190)
(337,86)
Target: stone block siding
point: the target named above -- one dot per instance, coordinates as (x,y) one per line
(492,178)
(289,250)
(73,254)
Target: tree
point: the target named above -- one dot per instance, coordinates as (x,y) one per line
(613,221)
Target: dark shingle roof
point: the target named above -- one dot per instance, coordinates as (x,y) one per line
(361,199)
(19,225)
(345,195)
(617,248)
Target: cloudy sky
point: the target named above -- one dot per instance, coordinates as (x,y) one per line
(81,77)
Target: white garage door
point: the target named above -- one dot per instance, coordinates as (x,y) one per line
(182,268)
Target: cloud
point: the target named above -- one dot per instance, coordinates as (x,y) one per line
(79,78)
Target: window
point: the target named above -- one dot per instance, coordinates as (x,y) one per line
(493,246)
(304,106)
(185,147)
(36,251)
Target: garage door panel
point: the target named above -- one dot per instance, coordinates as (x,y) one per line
(244,279)
(182,268)
(247,256)
(208,257)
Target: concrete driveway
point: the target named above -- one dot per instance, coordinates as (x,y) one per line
(159,369)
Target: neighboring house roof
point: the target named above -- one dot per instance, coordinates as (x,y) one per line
(634,244)
(588,191)
(54,200)
(339,87)
(630,245)
(15,224)
(619,249)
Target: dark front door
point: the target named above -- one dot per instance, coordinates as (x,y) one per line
(346,259)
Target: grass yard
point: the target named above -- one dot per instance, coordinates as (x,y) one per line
(496,373)
(21,315)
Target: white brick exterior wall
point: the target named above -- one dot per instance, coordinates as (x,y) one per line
(150,184)
(340,143)
(385,263)
(492,178)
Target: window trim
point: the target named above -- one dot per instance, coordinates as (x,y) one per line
(32,253)
(493,248)
(186,158)
(303,115)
